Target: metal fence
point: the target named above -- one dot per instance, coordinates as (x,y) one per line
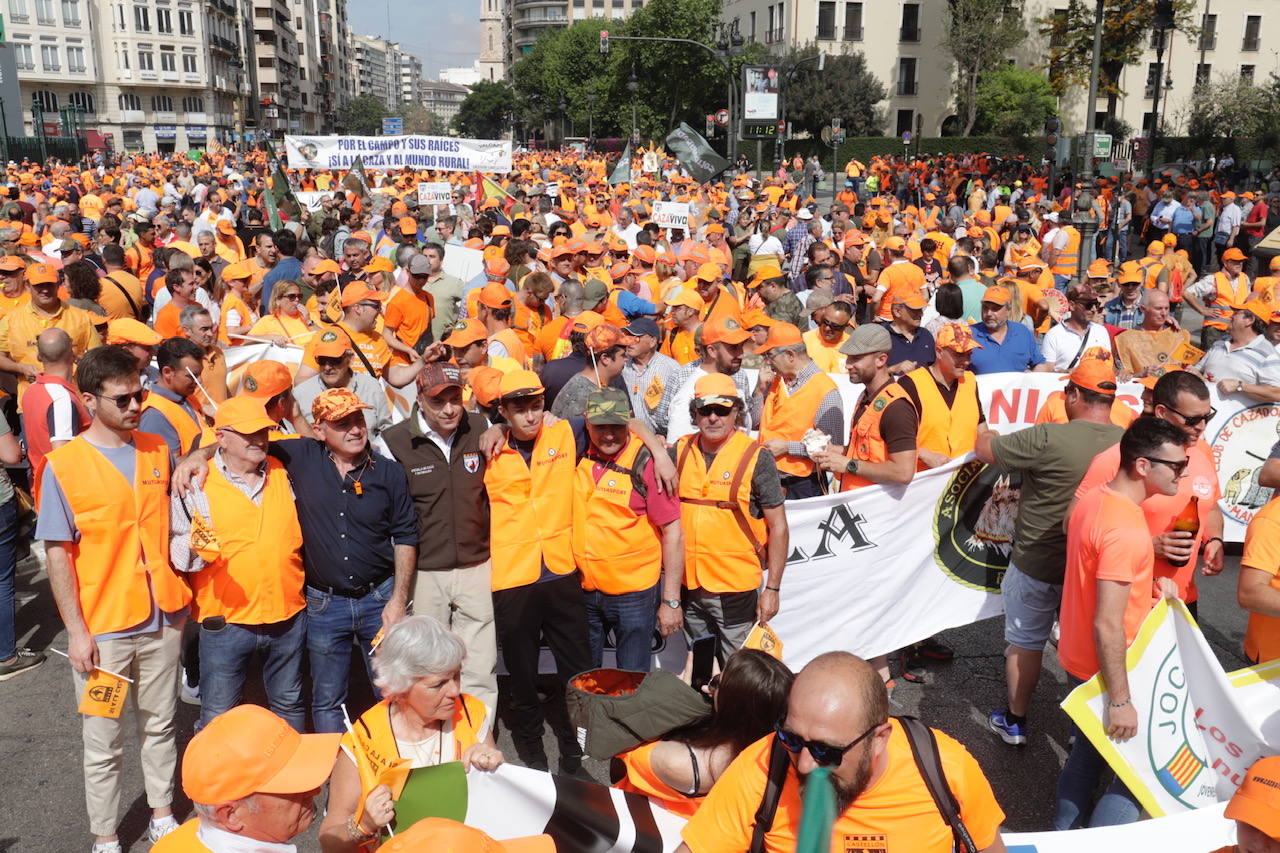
(38,149)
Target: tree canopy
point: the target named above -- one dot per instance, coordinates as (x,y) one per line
(1231,108)
(363,116)
(1014,101)
(484,114)
(972,27)
(844,89)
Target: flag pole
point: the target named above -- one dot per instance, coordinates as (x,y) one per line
(98,668)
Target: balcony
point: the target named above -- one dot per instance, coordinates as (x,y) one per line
(132,116)
(909,34)
(908,87)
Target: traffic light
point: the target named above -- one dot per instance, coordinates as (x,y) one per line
(1051,127)
(604,41)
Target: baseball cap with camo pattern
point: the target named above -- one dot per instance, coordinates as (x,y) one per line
(608,407)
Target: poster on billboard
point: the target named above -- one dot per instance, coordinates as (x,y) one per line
(760,84)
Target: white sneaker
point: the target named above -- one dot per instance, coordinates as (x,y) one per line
(160,827)
(107,847)
(189,694)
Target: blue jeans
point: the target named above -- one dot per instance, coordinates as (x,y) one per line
(632,616)
(1081,773)
(1061,281)
(8,569)
(334,622)
(224,658)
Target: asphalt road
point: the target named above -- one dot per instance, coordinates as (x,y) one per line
(42,787)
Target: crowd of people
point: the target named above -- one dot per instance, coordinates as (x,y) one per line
(589,439)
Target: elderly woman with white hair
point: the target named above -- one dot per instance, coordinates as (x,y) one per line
(423,717)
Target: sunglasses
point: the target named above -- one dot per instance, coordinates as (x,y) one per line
(833,326)
(294,296)
(1194,420)
(122,400)
(717,410)
(330,361)
(1091,304)
(1176,467)
(824,754)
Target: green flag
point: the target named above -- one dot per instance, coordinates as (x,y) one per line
(695,153)
(354,179)
(621,173)
(282,189)
(269,202)
(819,813)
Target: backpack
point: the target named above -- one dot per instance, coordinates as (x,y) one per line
(924,749)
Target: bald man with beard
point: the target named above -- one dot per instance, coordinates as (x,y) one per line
(838,717)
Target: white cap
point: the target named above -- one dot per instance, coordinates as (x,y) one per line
(804,213)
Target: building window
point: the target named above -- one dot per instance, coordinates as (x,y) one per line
(1059,27)
(75,60)
(146,60)
(71,13)
(44,12)
(1148,122)
(130,101)
(1203,72)
(22,54)
(1246,73)
(193,105)
(906,75)
(124,59)
(905,119)
(910,22)
(752,32)
(162,103)
(853,22)
(189,64)
(18,11)
(1209,32)
(826,20)
(47,100)
(1252,32)
(186,24)
(142,19)
(164,22)
(168,60)
(83,100)
(49,57)
(1150,89)
(120,20)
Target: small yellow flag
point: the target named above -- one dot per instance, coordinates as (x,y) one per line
(103,695)
(765,639)
(1185,353)
(653,394)
(203,540)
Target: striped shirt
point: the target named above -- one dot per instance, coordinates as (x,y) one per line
(1255,363)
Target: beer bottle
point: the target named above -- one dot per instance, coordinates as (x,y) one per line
(1188,520)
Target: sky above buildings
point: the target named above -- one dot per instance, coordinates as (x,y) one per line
(442,33)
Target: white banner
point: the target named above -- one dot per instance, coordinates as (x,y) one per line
(387,153)
(312,198)
(1197,732)
(436,192)
(671,214)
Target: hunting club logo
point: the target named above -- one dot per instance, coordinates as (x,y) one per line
(1172,718)
(1240,447)
(973,526)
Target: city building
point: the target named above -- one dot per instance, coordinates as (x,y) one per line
(443,99)
(335,85)
(377,69)
(524,20)
(902,43)
(409,79)
(492,46)
(306,25)
(469,75)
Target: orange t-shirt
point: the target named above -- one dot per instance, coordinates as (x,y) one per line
(900,278)
(1054,411)
(894,815)
(408,315)
(1107,539)
(1200,482)
(1262,552)
(549,338)
(167,323)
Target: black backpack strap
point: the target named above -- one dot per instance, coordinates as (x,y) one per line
(779,764)
(133,306)
(924,748)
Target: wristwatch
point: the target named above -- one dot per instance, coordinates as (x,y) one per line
(673,603)
(851,467)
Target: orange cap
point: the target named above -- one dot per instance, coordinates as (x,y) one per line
(265,379)
(724,330)
(243,414)
(1169,239)
(1256,307)
(709,272)
(358,291)
(764,273)
(42,274)
(465,333)
(408,225)
(379,264)
(126,330)
(1029,264)
(225,226)
(325,265)
(497,267)
(441,835)
(1155,247)
(957,337)
(997,295)
(334,404)
(248,750)
(1257,800)
(913,299)
(895,244)
(520,383)
(605,337)
(688,297)
(500,231)
(331,345)
(618,270)
(1099,269)
(755,317)
(484,382)
(495,295)
(13,263)
(781,335)
(239,271)
(1094,373)
(1232,254)
(715,388)
(714,228)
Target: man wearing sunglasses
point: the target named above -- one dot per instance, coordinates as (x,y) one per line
(1244,362)
(361,307)
(1182,399)
(1065,343)
(1106,595)
(334,361)
(838,717)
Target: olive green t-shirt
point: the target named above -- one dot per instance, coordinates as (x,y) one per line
(1053,459)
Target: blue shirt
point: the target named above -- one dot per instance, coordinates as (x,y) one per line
(1017,354)
(1183,221)
(286,269)
(347,537)
(919,349)
(1117,314)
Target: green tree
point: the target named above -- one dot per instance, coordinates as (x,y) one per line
(418,119)
(483,114)
(1231,108)
(972,27)
(1014,101)
(362,116)
(844,89)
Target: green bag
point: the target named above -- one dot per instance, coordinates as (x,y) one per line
(613,710)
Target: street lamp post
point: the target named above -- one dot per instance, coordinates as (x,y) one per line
(563,108)
(633,85)
(591,121)
(1163,23)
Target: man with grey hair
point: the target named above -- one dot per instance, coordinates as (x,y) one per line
(198,326)
(445,289)
(58,232)
(355,257)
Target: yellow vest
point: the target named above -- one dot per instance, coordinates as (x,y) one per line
(866,444)
(617,550)
(788,415)
(949,430)
(722,542)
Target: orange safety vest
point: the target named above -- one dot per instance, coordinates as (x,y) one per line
(612,313)
(182,840)
(640,778)
(247,318)
(1226,297)
(678,344)
(788,415)
(616,550)
(191,432)
(378,741)
(257,577)
(124,544)
(1068,260)
(865,442)
(722,541)
(531,508)
(949,430)
(515,347)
